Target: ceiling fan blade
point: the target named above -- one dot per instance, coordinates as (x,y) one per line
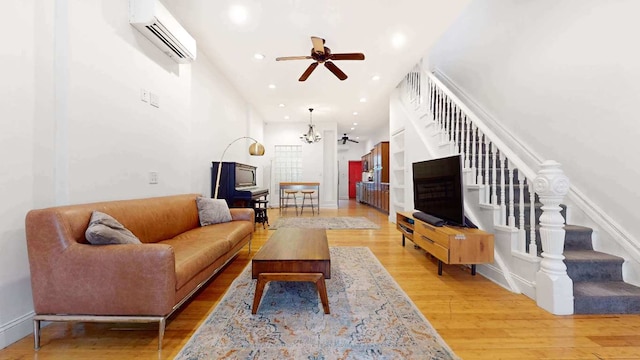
(353,141)
(308,72)
(335,70)
(318,44)
(348,56)
(293,58)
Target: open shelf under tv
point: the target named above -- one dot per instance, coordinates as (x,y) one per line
(450,245)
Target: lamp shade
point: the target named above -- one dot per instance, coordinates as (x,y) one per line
(256,149)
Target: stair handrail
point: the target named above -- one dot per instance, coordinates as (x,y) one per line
(513,157)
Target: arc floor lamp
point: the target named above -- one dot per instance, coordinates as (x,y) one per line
(255,149)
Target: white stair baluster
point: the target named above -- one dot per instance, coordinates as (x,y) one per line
(474,143)
(480,180)
(467,153)
(522,235)
(443,121)
(512,219)
(494,179)
(503,200)
(533,247)
(454,127)
(430,99)
(424,87)
(433,103)
(487,189)
(461,137)
(436,110)
(445,117)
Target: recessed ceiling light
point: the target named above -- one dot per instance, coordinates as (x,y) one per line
(353,128)
(238,14)
(355,113)
(363,99)
(355,124)
(272,86)
(357,137)
(258,56)
(286,117)
(398,40)
(281,105)
(375,78)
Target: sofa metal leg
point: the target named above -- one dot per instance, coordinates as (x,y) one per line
(161,327)
(36,334)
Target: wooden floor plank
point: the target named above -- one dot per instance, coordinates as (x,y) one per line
(476,317)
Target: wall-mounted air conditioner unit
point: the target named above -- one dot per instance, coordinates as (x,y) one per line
(155,22)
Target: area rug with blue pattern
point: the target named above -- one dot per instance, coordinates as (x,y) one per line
(371,318)
(333,223)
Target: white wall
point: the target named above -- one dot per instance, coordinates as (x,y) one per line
(381,134)
(563,77)
(74,129)
(17,97)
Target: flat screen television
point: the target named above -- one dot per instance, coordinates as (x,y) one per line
(437,189)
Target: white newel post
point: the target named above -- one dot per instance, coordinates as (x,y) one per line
(554,288)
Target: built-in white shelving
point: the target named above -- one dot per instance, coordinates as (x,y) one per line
(397,175)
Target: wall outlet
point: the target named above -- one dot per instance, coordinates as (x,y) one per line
(155,100)
(144,95)
(153,177)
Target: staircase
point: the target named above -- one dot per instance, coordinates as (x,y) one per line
(598,286)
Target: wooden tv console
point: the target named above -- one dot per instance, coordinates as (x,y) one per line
(450,245)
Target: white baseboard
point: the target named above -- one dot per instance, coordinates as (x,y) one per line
(16,329)
(494,274)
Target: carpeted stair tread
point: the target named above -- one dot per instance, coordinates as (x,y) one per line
(609,288)
(590,266)
(611,297)
(576,237)
(590,256)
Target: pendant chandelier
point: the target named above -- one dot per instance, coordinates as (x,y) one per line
(311,135)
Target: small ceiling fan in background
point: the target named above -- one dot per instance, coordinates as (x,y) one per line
(322,54)
(345,138)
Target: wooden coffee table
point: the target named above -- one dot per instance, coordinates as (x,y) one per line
(293,254)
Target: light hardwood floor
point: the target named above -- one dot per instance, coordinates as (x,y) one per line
(477,318)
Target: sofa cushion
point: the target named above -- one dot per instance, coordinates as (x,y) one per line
(195,250)
(103,229)
(212,211)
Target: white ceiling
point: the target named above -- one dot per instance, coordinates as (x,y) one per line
(283,28)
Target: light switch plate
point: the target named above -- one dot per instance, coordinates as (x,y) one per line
(144,95)
(155,100)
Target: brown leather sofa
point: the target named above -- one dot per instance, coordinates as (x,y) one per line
(73,280)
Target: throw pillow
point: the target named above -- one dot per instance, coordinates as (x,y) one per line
(104,229)
(212,211)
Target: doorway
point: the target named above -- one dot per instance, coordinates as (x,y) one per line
(355,175)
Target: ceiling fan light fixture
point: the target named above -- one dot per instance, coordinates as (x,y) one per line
(321,54)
